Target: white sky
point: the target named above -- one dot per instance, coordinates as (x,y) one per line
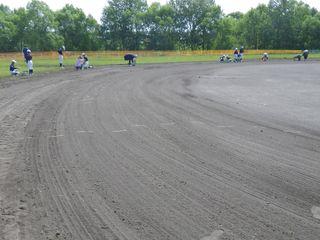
(95,7)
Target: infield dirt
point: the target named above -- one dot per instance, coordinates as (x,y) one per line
(200,151)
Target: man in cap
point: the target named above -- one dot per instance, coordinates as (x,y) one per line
(13,69)
(236,55)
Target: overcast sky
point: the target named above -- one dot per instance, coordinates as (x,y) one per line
(95,7)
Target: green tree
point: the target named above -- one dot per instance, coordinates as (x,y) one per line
(226,33)
(311,32)
(160,27)
(7,29)
(196,22)
(281,13)
(20,20)
(41,27)
(78,31)
(256,28)
(301,12)
(180,24)
(122,24)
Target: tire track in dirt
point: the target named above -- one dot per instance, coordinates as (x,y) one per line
(140,153)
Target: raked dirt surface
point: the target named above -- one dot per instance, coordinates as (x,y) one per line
(201,151)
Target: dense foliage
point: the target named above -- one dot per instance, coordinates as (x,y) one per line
(180,24)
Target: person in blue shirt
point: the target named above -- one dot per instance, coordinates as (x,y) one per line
(29,62)
(13,70)
(60,52)
(26,51)
(132,58)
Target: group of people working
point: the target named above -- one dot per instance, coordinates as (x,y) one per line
(82,61)
(238,56)
(304,54)
(28,60)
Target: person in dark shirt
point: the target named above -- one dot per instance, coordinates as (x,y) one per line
(29,62)
(132,58)
(26,52)
(305,54)
(13,69)
(28,56)
(265,57)
(86,59)
(236,55)
(241,52)
(60,52)
(297,57)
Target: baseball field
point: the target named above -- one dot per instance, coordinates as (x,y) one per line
(45,62)
(179,151)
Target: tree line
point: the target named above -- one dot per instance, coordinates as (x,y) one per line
(178,25)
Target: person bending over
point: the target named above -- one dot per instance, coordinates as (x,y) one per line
(132,58)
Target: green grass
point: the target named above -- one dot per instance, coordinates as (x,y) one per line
(46,65)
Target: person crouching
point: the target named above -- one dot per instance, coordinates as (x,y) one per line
(79,63)
(305,54)
(13,69)
(86,64)
(265,57)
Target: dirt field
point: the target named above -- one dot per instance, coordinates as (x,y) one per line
(182,151)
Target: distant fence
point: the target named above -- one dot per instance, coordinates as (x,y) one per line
(103,54)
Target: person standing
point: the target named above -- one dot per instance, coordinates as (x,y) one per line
(60,52)
(30,67)
(29,62)
(236,55)
(241,53)
(25,52)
